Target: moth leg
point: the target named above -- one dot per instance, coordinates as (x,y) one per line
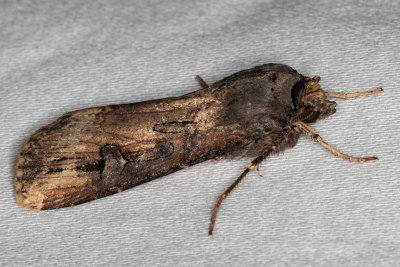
(310,132)
(258,170)
(221,198)
(202,83)
(346,96)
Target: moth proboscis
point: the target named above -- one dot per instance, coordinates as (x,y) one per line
(95,152)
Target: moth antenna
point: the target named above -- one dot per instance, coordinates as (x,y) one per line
(350,95)
(202,83)
(310,132)
(221,198)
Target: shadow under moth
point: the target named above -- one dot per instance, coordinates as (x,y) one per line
(95,152)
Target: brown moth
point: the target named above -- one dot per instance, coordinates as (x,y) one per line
(95,152)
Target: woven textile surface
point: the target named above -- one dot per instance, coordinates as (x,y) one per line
(309,208)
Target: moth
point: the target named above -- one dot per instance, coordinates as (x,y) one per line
(95,152)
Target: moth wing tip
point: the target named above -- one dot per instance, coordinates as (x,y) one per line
(24,199)
(23,202)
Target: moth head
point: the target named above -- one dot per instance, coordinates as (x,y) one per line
(314,98)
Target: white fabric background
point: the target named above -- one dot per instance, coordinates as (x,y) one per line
(310,208)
